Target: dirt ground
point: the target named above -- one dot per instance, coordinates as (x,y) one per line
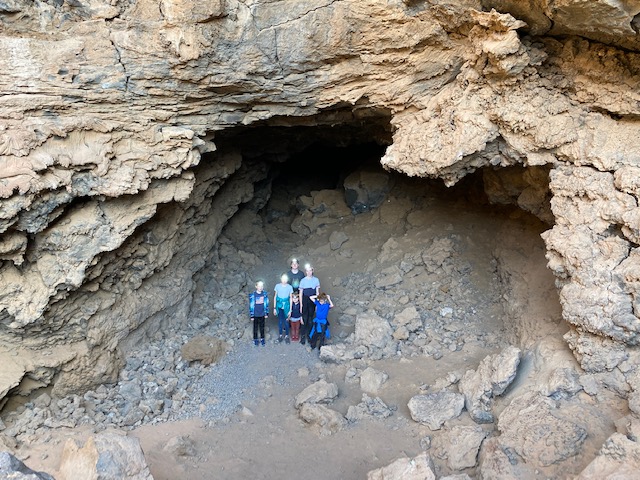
(268,441)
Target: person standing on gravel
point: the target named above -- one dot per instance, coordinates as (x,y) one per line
(295,275)
(282,307)
(258,309)
(309,286)
(296,316)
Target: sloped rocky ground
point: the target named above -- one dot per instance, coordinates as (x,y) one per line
(426,286)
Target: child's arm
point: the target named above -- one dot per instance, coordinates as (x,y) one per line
(313,297)
(275,311)
(330,302)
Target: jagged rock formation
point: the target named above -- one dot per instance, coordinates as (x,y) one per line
(118,168)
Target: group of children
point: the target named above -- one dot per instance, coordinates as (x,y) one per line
(301,308)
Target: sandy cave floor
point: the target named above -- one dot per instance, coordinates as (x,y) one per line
(267,440)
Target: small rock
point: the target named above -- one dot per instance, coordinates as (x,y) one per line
(180,446)
(371,380)
(337,239)
(369,407)
(417,468)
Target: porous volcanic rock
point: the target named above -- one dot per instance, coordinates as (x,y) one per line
(117,168)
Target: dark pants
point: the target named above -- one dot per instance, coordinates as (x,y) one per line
(283,324)
(308,314)
(318,336)
(258,323)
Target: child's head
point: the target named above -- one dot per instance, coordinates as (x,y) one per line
(294,263)
(259,286)
(322,298)
(284,278)
(308,269)
(296,297)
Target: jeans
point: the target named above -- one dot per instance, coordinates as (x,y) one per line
(283,324)
(258,324)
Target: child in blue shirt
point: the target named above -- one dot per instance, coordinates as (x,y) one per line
(282,306)
(320,323)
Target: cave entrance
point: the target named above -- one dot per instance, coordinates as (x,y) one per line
(465,258)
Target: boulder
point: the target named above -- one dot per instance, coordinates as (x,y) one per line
(336,353)
(562,383)
(417,468)
(551,437)
(323,420)
(369,407)
(374,332)
(460,446)
(494,374)
(408,318)
(319,392)
(619,458)
(371,380)
(12,468)
(337,238)
(205,349)
(105,456)
(433,409)
(497,462)
(365,190)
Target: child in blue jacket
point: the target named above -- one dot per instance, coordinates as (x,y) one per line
(258,309)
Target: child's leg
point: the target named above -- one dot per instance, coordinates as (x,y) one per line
(285,324)
(322,336)
(314,336)
(255,328)
(280,321)
(261,321)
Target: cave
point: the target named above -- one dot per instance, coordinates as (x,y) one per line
(462,175)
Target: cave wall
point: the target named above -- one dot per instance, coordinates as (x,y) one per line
(111,110)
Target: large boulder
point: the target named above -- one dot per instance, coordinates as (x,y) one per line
(365,190)
(375,333)
(105,456)
(551,437)
(494,374)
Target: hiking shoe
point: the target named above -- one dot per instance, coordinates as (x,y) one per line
(280,339)
(255,342)
(262,342)
(286,339)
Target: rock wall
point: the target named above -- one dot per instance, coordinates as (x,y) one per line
(108,108)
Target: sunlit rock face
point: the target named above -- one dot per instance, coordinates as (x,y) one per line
(112,183)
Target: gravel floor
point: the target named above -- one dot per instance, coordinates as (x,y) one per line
(244,375)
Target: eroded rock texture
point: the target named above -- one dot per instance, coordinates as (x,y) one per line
(113,182)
